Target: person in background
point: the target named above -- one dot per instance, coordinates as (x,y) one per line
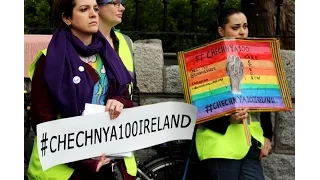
(111,12)
(221,144)
(110,15)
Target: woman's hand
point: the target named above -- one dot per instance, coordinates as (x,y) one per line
(266,148)
(239,116)
(114,108)
(102,161)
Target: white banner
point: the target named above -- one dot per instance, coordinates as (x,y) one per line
(82,137)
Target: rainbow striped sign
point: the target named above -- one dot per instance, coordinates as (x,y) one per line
(227,75)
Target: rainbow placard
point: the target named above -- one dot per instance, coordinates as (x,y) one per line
(227,75)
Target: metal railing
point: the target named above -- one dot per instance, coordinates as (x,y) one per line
(168,36)
(246,5)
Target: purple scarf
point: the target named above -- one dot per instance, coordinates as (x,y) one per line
(72,86)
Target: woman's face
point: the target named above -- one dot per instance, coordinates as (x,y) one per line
(85,17)
(237,27)
(111,13)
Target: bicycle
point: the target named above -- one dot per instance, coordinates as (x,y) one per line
(168,164)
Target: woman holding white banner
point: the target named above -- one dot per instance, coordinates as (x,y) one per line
(221,143)
(110,15)
(79,67)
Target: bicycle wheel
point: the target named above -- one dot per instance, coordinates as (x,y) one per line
(167,168)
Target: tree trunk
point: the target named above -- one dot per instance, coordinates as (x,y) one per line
(262,20)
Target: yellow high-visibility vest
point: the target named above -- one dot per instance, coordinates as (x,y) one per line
(231,145)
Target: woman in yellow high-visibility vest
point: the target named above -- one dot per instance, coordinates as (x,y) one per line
(110,15)
(221,144)
(79,67)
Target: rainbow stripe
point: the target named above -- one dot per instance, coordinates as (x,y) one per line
(207,85)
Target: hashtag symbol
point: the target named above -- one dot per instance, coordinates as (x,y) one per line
(43,144)
(209,108)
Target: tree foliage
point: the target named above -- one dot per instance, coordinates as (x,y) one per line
(36,15)
(150,19)
(179,19)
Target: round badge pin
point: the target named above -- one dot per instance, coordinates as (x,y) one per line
(81,68)
(76,80)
